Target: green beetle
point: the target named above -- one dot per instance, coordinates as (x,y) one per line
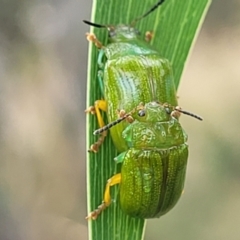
(154,166)
(152,144)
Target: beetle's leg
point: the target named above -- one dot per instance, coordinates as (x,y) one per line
(148,36)
(100,59)
(121,113)
(116,179)
(100,62)
(98,105)
(92,38)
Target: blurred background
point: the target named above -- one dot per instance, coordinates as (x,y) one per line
(43,67)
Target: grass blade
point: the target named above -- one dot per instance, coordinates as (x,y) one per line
(175,25)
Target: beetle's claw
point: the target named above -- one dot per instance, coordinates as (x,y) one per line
(94,214)
(91,110)
(148,36)
(92,38)
(94,147)
(91,216)
(121,113)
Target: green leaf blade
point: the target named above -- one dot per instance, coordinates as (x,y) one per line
(175,25)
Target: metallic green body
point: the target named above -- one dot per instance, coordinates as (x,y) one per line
(134,73)
(154,167)
(153,148)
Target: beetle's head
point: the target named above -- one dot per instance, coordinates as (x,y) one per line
(154,112)
(151,112)
(125,32)
(155,127)
(158,112)
(119,32)
(122,33)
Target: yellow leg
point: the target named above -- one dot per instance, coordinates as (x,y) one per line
(98,106)
(116,179)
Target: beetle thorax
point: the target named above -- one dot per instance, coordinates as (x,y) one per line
(154,128)
(122,33)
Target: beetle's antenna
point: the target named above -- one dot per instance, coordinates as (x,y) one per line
(111,124)
(188,113)
(95,24)
(153,8)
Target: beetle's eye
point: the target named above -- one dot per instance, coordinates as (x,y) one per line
(111,33)
(141,113)
(168,110)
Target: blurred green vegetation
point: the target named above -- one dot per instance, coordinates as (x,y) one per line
(43,65)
